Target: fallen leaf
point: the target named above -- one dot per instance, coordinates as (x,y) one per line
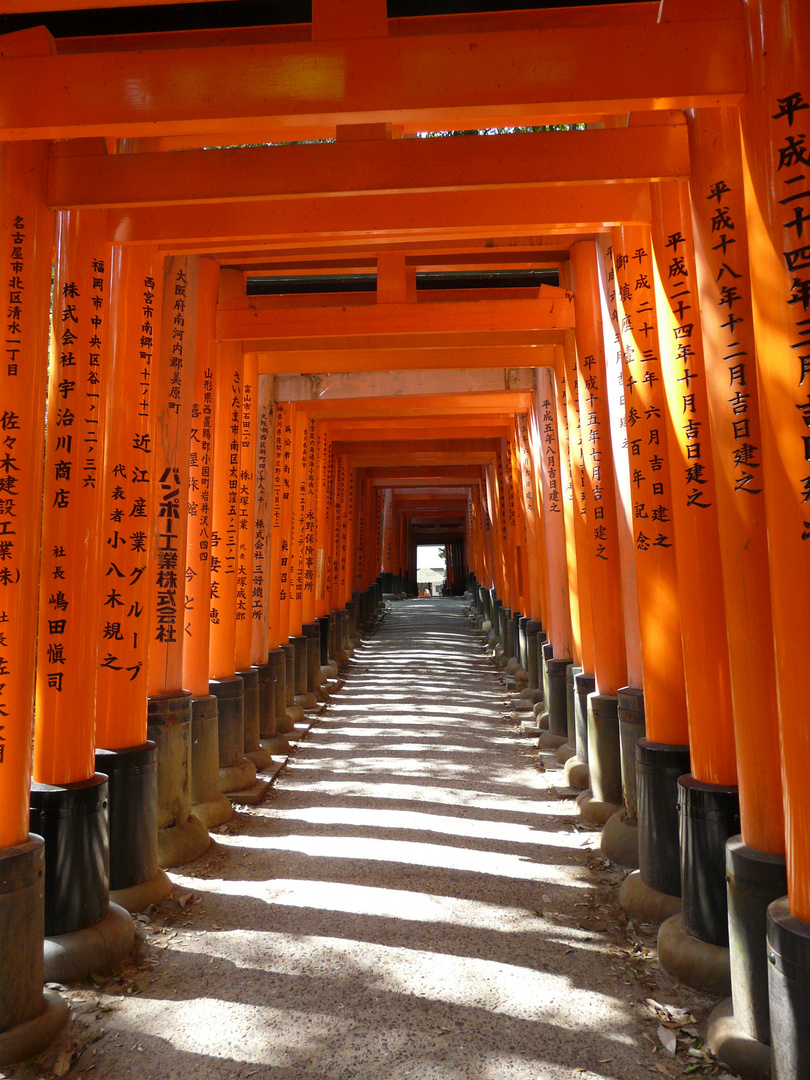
(667,1038)
(65,1058)
(184,899)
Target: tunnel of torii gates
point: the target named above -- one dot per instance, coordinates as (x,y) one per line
(261,340)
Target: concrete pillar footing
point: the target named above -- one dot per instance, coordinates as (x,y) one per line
(295,714)
(646,905)
(214,811)
(139,897)
(693,962)
(279,745)
(522,704)
(95,950)
(619,841)
(548,741)
(532,694)
(182,843)
(252,794)
(735,1047)
(595,810)
(564,753)
(261,758)
(236,777)
(31,1037)
(577,773)
(306,701)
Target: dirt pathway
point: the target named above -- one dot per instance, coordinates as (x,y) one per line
(416,899)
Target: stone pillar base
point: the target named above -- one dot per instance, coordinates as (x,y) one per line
(619,841)
(139,897)
(644,904)
(734,1047)
(30,1038)
(214,811)
(182,843)
(595,810)
(95,950)
(577,774)
(564,753)
(693,962)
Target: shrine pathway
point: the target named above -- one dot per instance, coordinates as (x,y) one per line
(417,898)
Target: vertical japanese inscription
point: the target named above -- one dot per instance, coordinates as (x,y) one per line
(125,536)
(643,391)
(793,169)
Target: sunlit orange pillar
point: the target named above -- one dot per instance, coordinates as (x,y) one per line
(237,774)
(663,754)
(602,541)
(313,630)
(255,677)
(576,524)
(269,666)
(128,484)
(26,247)
(281,653)
(72,579)
(561,619)
(631,697)
(207,801)
(776,133)
(708,798)
(181,836)
(723,277)
(519,552)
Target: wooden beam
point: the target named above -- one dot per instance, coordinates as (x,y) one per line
(337,360)
(384,320)
(382,166)
(398,384)
(433,79)
(422,215)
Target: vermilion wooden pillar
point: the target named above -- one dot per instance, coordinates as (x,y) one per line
(723,276)
(562,615)
(602,542)
(128,486)
(279,526)
(26,248)
(260,602)
(26,245)
(614,389)
(207,801)
(71,540)
(73,583)
(181,836)
(610,667)
(697,541)
(776,134)
(663,754)
(201,459)
(228,383)
(123,623)
(246,512)
(656,571)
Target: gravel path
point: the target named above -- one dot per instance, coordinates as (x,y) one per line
(417,898)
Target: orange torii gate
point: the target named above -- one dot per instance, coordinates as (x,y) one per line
(218,493)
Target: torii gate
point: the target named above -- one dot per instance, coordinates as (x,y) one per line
(627,455)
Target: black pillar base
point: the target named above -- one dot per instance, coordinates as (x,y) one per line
(72,819)
(658,767)
(631,729)
(789,992)
(132,774)
(30,1018)
(709,816)
(754,879)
